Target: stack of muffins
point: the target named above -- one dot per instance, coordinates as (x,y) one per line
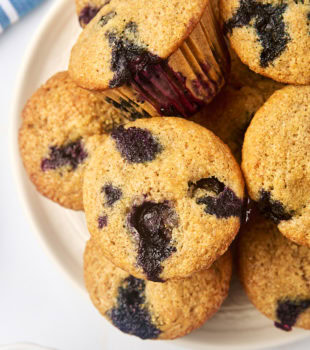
(163,195)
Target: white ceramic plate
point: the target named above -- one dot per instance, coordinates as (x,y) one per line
(63,232)
(23,346)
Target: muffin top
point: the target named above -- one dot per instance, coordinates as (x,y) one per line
(275,161)
(167,202)
(271,36)
(275,273)
(62,124)
(125,36)
(151,310)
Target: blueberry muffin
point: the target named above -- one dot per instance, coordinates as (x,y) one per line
(62,125)
(276,162)
(271,36)
(167,58)
(151,310)
(169,200)
(275,273)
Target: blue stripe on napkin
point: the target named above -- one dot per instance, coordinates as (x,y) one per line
(24,6)
(12,10)
(4,19)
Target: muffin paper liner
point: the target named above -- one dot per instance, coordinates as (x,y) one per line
(179,86)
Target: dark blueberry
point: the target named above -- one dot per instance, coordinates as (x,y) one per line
(271,208)
(129,109)
(268,23)
(225,204)
(288,312)
(152,224)
(71,154)
(135,144)
(102,221)
(128,57)
(87,14)
(106,18)
(131,315)
(112,194)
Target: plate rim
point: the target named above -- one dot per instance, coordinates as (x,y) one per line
(18,169)
(23,346)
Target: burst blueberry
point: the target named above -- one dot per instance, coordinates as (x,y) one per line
(271,208)
(128,57)
(131,315)
(224,204)
(151,225)
(288,312)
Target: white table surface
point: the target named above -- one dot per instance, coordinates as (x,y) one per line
(38,304)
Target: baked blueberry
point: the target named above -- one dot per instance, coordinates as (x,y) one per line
(222,202)
(151,225)
(288,312)
(272,208)
(130,314)
(128,57)
(225,205)
(112,194)
(136,145)
(71,154)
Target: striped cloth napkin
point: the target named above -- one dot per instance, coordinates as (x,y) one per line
(12,10)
